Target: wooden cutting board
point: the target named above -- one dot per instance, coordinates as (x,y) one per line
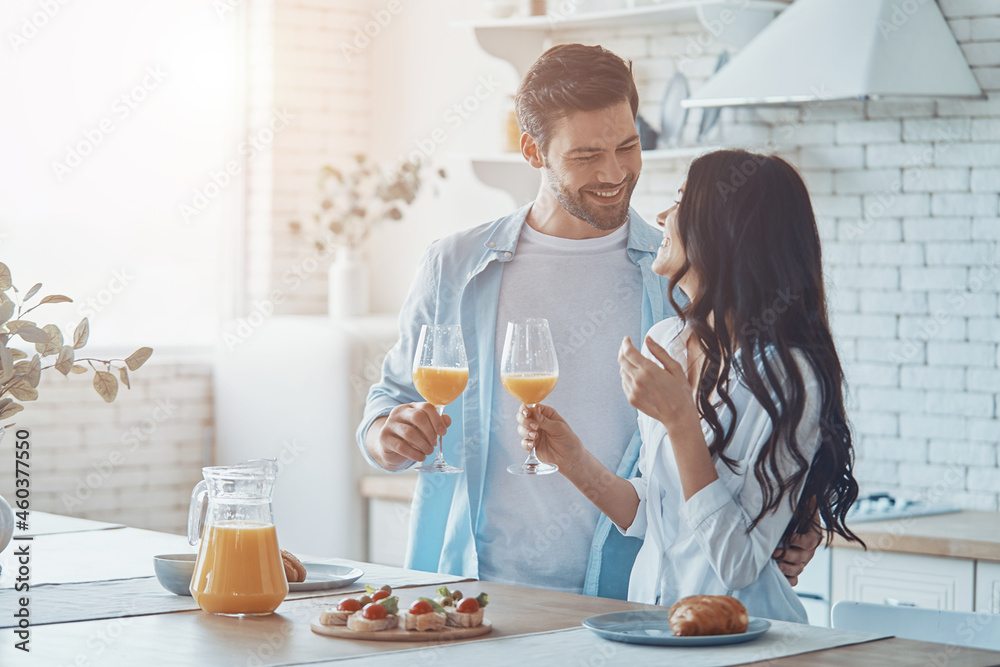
(398,634)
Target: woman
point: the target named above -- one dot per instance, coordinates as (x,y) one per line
(740,398)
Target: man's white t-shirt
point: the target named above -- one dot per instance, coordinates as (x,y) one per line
(537,530)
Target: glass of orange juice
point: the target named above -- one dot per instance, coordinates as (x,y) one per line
(529,371)
(440,373)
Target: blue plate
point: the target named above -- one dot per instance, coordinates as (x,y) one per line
(324,576)
(653,627)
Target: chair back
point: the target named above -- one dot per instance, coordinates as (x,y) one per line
(962,628)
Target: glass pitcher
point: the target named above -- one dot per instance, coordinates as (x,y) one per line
(238,570)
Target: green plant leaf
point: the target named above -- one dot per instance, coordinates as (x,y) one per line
(53,343)
(31,333)
(124,376)
(6,311)
(34,372)
(64,363)
(138,358)
(55,298)
(78,369)
(23,391)
(6,363)
(32,292)
(81,334)
(4,281)
(8,407)
(106,385)
(17,354)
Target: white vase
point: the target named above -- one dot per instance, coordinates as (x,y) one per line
(348,284)
(6,517)
(6,524)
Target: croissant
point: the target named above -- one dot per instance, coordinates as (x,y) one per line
(295,571)
(699,615)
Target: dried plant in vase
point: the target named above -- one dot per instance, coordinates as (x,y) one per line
(19,376)
(355,200)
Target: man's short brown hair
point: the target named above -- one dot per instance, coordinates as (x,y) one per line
(570,78)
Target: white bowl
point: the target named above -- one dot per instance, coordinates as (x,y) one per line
(175,571)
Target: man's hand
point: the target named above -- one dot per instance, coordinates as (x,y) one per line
(793,559)
(408,433)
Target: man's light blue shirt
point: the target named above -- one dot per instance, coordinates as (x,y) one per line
(458,280)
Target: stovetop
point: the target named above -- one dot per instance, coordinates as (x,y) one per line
(883,507)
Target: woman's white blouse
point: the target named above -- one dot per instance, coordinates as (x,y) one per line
(702,546)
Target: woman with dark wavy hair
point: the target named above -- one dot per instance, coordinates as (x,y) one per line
(740,398)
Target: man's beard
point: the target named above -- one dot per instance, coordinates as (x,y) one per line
(605,218)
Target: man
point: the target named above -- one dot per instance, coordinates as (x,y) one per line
(578,256)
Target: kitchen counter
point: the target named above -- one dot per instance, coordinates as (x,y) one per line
(968,534)
(389,486)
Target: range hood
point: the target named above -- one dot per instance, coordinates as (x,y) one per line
(824,50)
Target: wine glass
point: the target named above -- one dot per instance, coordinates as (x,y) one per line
(440,373)
(529,372)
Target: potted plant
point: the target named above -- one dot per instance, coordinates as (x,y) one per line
(19,375)
(352,202)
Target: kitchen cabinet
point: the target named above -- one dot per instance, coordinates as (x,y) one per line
(946,561)
(388,497)
(988,587)
(883,577)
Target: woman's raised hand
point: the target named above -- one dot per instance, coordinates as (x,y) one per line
(554,441)
(662,393)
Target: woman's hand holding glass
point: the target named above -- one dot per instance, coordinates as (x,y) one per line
(529,371)
(551,437)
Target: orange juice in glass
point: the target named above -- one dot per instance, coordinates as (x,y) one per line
(530,388)
(440,386)
(440,373)
(238,570)
(529,372)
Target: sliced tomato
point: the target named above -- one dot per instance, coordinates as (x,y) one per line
(421,607)
(349,604)
(468,606)
(379,595)
(374,612)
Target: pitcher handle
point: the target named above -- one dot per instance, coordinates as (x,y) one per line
(196,511)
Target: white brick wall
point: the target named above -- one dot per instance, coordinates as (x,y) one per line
(297,64)
(908,199)
(133,461)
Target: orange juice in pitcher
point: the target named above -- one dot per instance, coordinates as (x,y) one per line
(238,570)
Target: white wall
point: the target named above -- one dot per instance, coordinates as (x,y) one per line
(145,96)
(423,68)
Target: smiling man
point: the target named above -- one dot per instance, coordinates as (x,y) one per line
(577,256)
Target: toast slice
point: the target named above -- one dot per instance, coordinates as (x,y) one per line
(464,620)
(359,623)
(333,617)
(432,621)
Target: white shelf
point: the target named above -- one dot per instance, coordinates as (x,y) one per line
(520,41)
(658,155)
(509,171)
(667,12)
